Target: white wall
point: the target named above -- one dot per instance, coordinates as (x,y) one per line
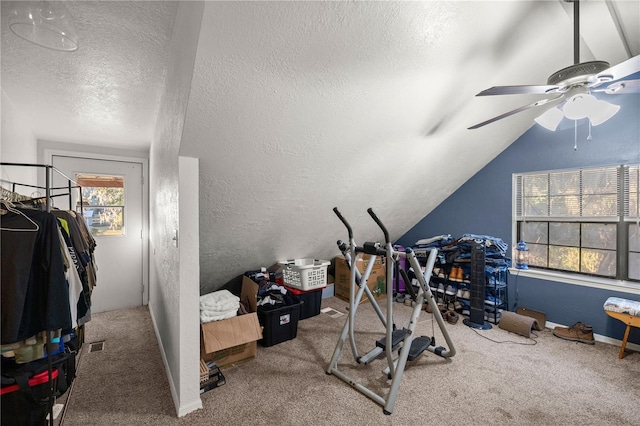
(18,145)
(298,107)
(189,249)
(171,301)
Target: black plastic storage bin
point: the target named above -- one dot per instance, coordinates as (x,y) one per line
(279,324)
(311,301)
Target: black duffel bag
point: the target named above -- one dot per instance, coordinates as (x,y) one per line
(26,394)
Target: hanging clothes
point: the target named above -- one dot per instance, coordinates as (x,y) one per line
(33,286)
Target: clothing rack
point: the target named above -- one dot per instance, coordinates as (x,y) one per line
(48,181)
(49,169)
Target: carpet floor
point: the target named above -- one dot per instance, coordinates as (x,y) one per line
(496,377)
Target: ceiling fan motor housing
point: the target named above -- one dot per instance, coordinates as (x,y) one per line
(577,73)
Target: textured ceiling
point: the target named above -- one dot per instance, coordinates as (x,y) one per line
(105,93)
(297,107)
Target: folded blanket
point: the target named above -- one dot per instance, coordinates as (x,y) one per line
(218,305)
(208,317)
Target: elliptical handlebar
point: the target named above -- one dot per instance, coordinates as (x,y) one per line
(337,212)
(384,230)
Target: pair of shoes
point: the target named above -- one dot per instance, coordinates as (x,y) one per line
(451,317)
(578,332)
(401,297)
(433,285)
(492,300)
(456,274)
(441,288)
(451,290)
(464,294)
(457,305)
(409,301)
(492,316)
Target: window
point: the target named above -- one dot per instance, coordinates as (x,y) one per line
(103,203)
(583,221)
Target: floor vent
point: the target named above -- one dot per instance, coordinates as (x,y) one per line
(331,312)
(96,346)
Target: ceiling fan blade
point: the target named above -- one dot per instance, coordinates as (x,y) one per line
(616,72)
(518,90)
(621,87)
(515,111)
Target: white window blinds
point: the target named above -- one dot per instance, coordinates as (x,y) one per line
(632,193)
(591,193)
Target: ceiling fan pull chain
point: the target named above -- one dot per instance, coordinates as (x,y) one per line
(575,135)
(589,138)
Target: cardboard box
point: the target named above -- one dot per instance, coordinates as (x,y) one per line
(233,341)
(376,282)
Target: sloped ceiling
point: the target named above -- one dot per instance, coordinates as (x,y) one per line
(297,107)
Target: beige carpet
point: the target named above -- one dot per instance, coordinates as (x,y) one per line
(554,382)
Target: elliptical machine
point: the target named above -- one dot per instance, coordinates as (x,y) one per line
(410,347)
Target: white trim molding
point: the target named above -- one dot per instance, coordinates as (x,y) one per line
(582,280)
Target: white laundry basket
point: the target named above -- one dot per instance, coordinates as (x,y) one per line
(305,274)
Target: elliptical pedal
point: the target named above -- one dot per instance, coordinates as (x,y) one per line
(397,336)
(418,346)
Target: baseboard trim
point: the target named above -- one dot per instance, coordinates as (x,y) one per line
(174,393)
(603,339)
(188,408)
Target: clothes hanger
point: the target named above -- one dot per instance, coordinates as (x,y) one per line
(10,207)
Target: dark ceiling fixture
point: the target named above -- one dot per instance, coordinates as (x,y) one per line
(571,88)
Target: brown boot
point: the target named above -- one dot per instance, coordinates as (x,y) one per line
(578,332)
(451,317)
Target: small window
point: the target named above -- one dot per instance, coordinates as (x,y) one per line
(102,203)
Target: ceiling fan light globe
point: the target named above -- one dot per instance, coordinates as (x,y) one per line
(550,118)
(47,24)
(603,111)
(579,106)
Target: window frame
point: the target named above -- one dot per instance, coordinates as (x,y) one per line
(625,219)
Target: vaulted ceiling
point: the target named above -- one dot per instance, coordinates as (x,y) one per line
(297,107)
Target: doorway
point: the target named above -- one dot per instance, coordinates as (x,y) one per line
(112,205)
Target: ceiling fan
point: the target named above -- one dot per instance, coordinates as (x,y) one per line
(571,88)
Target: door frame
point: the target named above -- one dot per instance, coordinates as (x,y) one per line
(48,159)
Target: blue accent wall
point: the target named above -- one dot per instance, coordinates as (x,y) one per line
(483,206)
